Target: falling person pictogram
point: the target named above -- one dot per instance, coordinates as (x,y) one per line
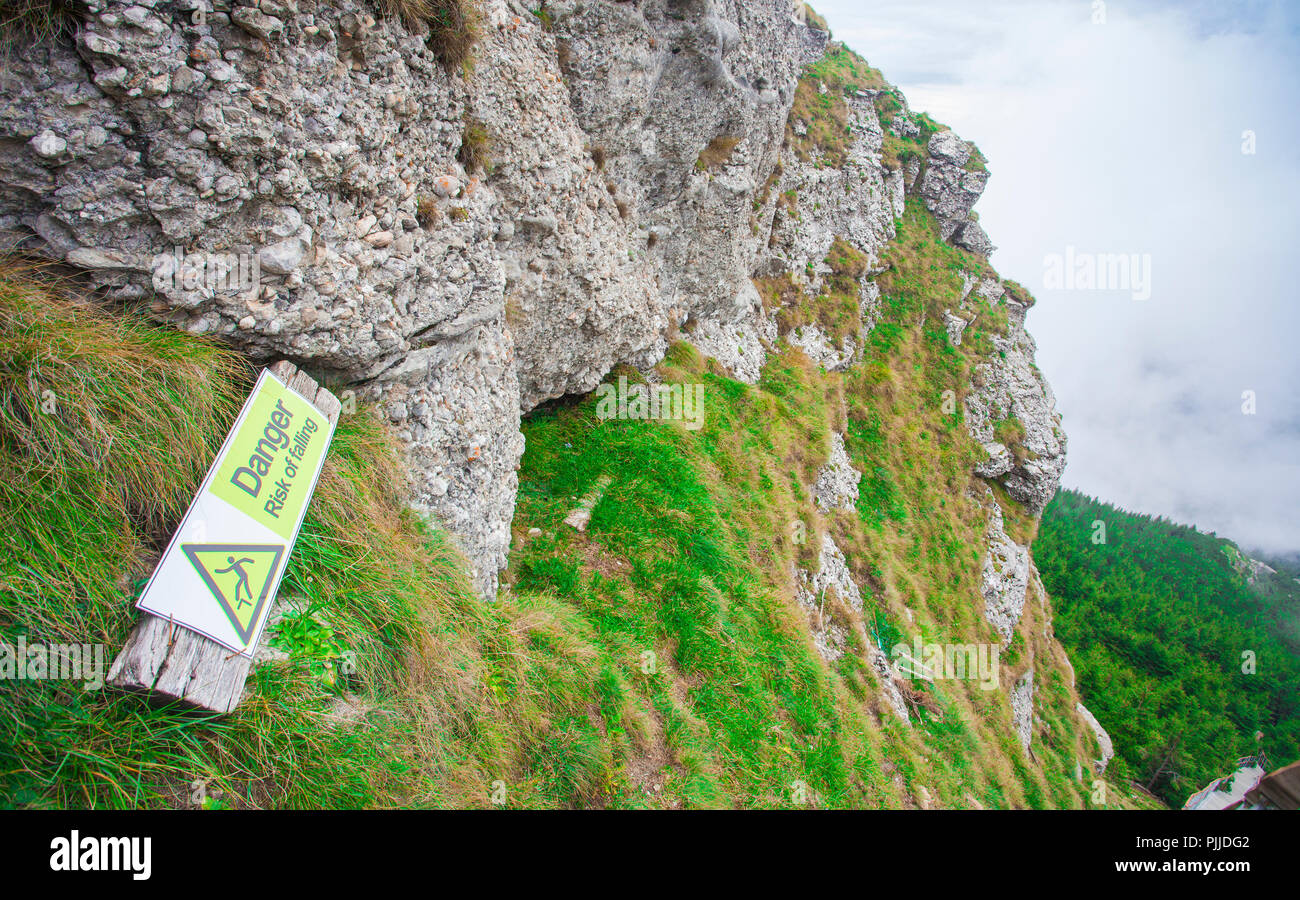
(240,578)
(238,567)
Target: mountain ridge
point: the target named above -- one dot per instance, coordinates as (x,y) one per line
(707,194)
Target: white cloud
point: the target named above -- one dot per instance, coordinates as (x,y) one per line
(1126,137)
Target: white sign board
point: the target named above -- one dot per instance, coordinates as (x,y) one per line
(224,564)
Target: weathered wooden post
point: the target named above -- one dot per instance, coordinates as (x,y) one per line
(207,601)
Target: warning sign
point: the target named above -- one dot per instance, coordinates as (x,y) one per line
(241,587)
(224,564)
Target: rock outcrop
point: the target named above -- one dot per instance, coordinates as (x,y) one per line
(1103,739)
(322,144)
(831,583)
(951,187)
(818,592)
(1005,576)
(837,483)
(1022,708)
(1009,388)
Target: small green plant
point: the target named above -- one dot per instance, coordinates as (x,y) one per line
(475,152)
(303,637)
(545,16)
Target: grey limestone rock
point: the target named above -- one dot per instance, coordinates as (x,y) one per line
(632,190)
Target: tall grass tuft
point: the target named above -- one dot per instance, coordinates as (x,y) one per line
(454,26)
(34,21)
(103,420)
(107,425)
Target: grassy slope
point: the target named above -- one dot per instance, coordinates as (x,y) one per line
(549,692)
(658,659)
(821,111)
(449,696)
(690,555)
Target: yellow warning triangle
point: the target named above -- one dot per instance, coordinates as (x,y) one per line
(240,578)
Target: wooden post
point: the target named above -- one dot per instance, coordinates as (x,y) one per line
(167,659)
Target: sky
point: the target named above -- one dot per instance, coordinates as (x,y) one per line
(1170,133)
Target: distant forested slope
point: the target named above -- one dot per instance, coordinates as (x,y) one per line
(1162,628)
(1280,590)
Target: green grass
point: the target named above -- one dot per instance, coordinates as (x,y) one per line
(815,19)
(826,115)
(690,551)
(834,309)
(737,695)
(657,660)
(452,694)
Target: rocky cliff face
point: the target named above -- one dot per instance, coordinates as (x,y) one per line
(648,161)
